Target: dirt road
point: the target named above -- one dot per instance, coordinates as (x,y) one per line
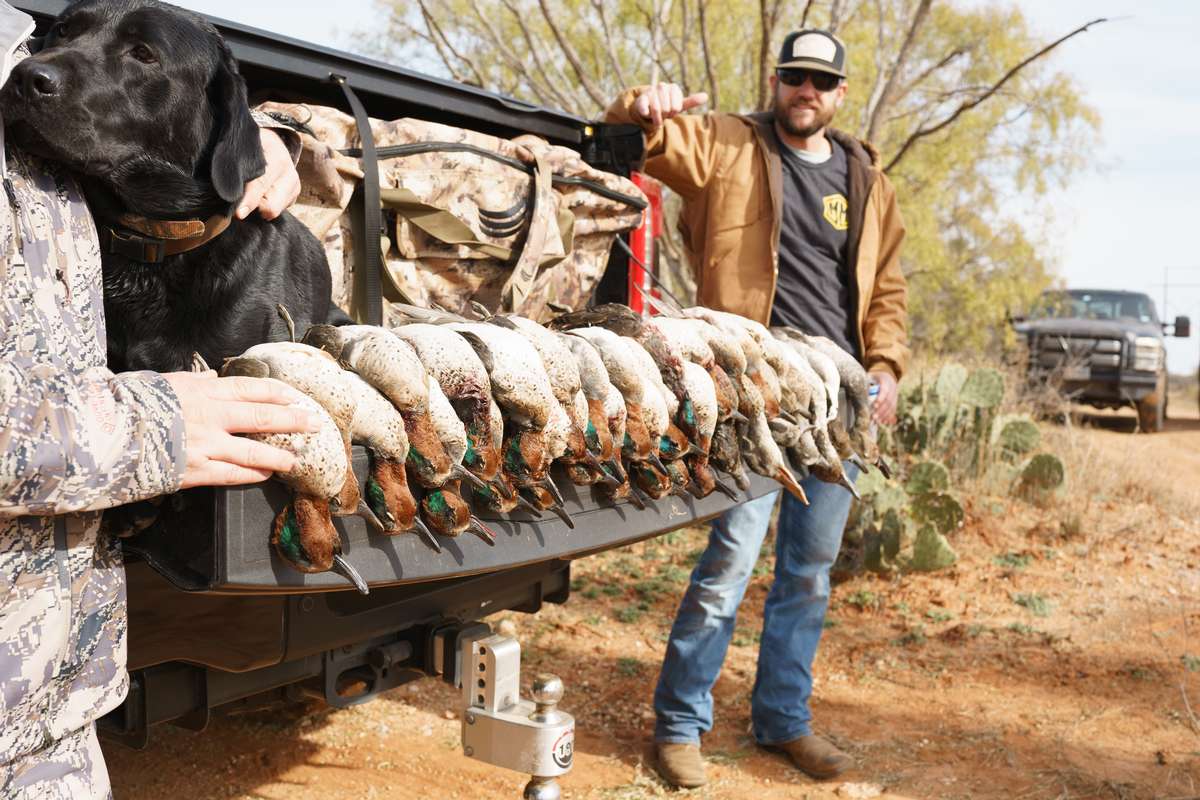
(1058,659)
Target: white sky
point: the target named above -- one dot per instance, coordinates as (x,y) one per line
(1119,226)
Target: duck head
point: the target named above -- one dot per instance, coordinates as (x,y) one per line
(303,535)
(427,459)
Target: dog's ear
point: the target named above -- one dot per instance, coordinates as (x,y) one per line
(237,156)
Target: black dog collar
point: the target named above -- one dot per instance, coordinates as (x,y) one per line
(151,240)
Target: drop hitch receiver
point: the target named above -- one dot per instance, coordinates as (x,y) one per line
(499,728)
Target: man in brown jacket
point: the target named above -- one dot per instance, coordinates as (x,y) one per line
(789,222)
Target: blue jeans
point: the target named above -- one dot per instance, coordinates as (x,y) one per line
(807,542)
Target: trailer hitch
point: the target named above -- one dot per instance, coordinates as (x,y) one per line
(500,728)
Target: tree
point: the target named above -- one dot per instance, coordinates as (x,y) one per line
(972,123)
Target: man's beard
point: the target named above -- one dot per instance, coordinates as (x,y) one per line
(821,119)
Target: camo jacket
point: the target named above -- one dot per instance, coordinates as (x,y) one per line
(75,439)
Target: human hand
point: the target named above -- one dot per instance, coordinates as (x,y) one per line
(216,408)
(663,101)
(884,409)
(277,188)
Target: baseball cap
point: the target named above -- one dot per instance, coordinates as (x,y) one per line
(813,49)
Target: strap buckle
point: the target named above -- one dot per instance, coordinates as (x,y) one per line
(146,249)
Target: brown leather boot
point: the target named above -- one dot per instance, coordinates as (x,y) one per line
(680,764)
(816,757)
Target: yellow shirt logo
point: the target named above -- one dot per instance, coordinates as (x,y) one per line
(836,211)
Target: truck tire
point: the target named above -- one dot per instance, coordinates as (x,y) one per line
(1152,411)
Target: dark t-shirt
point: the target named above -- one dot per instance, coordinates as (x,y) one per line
(813,290)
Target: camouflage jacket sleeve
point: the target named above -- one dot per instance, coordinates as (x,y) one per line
(75,436)
(81,442)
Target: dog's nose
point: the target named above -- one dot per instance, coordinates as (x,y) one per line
(39,80)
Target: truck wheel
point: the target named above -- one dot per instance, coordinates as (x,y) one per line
(1152,411)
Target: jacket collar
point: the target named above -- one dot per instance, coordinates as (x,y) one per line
(856,149)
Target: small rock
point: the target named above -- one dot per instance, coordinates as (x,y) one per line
(859,791)
(448,714)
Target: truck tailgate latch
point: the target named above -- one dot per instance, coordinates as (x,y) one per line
(498,727)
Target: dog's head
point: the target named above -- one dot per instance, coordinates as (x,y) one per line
(142,96)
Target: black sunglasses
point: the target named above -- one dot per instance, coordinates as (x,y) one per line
(821,81)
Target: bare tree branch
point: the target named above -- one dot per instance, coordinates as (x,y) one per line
(596,96)
(714,98)
(804,16)
(877,82)
(885,95)
(554,86)
(768,16)
(442,44)
(613,61)
(923,132)
(658,22)
(924,74)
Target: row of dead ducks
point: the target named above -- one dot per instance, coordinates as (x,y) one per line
(637,407)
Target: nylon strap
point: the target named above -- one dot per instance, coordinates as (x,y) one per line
(366,218)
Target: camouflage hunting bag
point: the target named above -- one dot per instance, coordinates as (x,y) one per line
(512,224)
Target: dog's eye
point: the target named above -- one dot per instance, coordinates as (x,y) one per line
(61,31)
(144,54)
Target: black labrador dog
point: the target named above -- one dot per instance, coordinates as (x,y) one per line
(144,102)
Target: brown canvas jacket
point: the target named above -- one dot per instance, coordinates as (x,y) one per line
(728,170)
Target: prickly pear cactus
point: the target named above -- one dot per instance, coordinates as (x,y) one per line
(950,382)
(938,509)
(931,551)
(1017,435)
(984,388)
(928,476)
(1042,475)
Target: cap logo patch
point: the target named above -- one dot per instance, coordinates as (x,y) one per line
(814,45)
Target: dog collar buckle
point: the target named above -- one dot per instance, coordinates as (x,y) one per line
(137,247)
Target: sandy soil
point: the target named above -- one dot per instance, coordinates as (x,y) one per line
(1058,659)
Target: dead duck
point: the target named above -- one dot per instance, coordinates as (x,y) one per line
(453,364)
(522,389)
(562,368)
(318,376)
(597,391)
(642,428)
(857,383)
(662,351)
(443,507)
(378,426)
(761,453)
(703,392)
(302,533)
(392,367)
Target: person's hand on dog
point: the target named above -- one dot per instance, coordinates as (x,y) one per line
(277,188)
(214,409)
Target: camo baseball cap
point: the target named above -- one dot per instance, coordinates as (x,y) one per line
(813,49)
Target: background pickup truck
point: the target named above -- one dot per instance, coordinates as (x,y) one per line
(1105,347)
(217,621)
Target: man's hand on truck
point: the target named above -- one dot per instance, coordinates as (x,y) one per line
(214,409)
(663,101)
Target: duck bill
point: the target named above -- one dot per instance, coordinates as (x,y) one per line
(724,488)
(884,467)
(657,462)
(548,484)
(525,505)
(422,530)
(477,527)
(373,521)
(343,567)
(785,476)
(562,514)
(615,467)
(459,472)
(848,484)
